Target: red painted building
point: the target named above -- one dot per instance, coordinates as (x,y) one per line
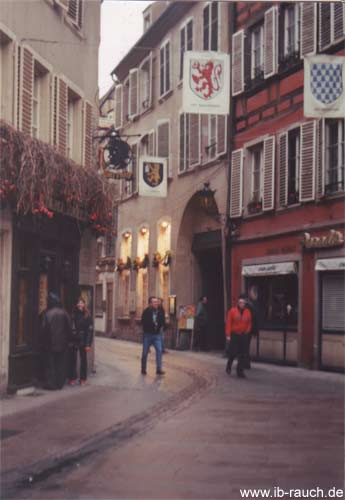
(287,179)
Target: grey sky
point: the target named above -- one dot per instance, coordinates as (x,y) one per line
(121,27)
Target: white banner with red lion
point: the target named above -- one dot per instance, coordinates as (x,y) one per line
(206,83)
(153,177)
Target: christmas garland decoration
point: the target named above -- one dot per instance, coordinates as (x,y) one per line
(35,178)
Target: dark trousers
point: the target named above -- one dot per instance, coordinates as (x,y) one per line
(201,338)
(237,349)
(247,353)
(54,370)
(73,363)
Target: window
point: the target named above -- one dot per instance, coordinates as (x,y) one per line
(99,299)
(334,131)
(210,26)
(75,12)
(256,172)
(257,51)
(184,142)
(145,84)
(163,142)
(109,246)
(293,166)
(291,30)
(165,83)
(186,42)
(331,23)
(274,294)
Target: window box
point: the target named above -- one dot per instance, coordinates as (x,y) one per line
(254,206)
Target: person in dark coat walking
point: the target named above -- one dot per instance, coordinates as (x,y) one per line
(253,308)
(55,334)
(153,321)
(81,341)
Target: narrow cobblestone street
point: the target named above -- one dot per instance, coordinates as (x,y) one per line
(196,433)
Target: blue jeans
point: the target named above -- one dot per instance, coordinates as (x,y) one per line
(154,339)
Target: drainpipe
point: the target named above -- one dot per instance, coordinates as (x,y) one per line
(230,139)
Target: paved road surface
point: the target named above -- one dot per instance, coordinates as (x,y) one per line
(195,434)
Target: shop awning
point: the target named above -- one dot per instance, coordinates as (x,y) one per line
(270,269)
(336,264)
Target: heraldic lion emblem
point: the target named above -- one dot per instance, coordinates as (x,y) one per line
(153,173)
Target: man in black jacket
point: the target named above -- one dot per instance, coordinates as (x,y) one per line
(153,321)
(56,334)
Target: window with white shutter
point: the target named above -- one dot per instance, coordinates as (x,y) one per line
(334,155)
(75,12)
(133,93)
(333,300)
(308,161)
(221,135)
(236,189)
(338,20)
(237,63)
(271,42)
(186,42)
(118,106)
(194,139)
(145,84)
(268,173)
(165,69)
(54,108)
(283,169)
(163,142)
(26,90)
(62,116)
(308,28)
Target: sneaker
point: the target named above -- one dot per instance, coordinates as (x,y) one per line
(72,382)
(143,372)
(82,382)
(160,372)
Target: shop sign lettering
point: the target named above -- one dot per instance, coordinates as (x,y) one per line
(332,239)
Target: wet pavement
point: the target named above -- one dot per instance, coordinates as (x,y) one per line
(195,433)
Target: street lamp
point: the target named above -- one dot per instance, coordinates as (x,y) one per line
(207,201)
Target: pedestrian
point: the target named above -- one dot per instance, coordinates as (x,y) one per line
(253,307)
(201,324)
(81,341)
(55,334)
(238,326)
(153,320)
(161,307)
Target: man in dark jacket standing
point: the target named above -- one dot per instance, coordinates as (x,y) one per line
(153,321)
(56,335)
(201,324)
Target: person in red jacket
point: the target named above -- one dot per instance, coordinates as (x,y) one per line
(238,326)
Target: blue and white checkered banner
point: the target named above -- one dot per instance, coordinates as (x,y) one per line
(324,86)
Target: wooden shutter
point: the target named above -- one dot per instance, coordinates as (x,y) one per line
(268,181)
(150,81)
(339,20)
(88,112)
(163,143)
(118,106)
(308,28)
(325,37)
(221,135)
(333,298)
(236,189)
(135,159)
(17,89)
(62,116)
(238,62)
(194,139)
(151,144)
(271,42)
(75,11)
(54,109)
(283,169)
(307,167)
(133,93)
(320,173)
(26,90)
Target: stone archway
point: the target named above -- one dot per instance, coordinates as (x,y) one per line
(199,266)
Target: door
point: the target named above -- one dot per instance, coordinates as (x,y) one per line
(109,312)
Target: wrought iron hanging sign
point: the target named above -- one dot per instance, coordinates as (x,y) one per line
(117,156)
